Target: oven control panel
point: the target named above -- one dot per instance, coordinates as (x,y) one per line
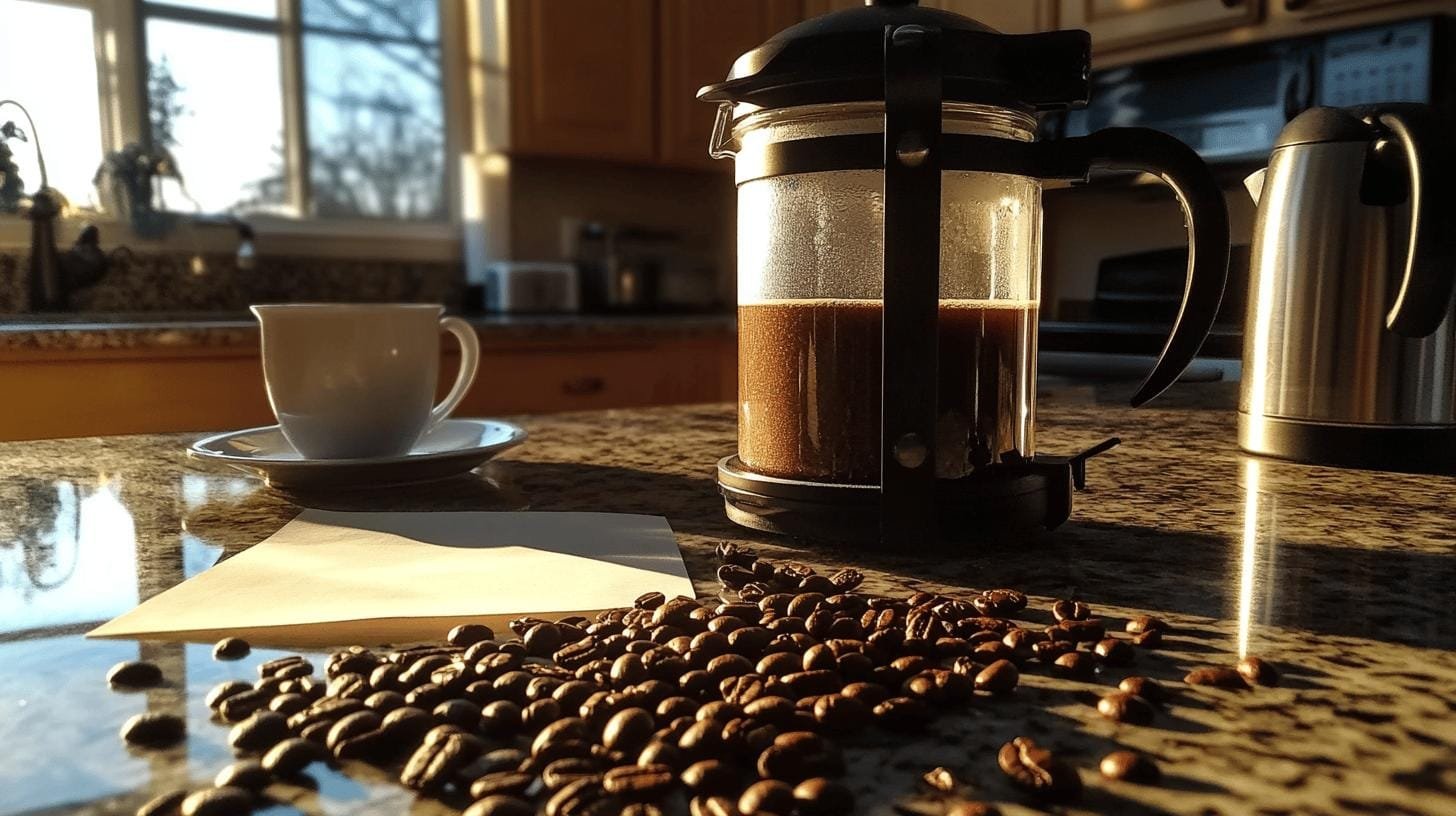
(1386,64)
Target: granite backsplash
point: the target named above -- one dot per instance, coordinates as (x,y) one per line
(176,282)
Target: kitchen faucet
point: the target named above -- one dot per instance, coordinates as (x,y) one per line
(55,276)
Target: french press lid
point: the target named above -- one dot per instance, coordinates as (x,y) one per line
(840,57)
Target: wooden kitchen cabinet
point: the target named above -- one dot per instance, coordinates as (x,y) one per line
(582,78)
(93,392)
(698,42)
(1312,8)
(1116,24)
(1022,17)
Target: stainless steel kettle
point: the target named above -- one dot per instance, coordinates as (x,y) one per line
(1349,343)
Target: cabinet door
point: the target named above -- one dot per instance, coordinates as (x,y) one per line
(581,82)
(699,41)
(814,8)
(1120,23)
(1023,17)
(1310,8)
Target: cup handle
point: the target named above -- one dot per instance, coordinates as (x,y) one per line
(469,364)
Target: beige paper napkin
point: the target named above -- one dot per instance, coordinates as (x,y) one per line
(334,578)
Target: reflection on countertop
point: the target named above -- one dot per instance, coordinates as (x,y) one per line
(140,330)
(1342,578)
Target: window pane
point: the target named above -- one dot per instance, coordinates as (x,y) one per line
(407,19)
(61,97)
(216,103)
(251,8)
(376,128)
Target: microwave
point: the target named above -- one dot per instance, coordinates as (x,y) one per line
(1230,104)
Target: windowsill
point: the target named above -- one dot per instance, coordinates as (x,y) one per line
(394,241)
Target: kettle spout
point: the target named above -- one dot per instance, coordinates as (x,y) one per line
(1255,183)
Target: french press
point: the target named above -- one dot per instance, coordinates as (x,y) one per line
(889,258)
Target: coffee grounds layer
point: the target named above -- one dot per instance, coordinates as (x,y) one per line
(809,387)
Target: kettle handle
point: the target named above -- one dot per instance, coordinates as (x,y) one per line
(1204,210)
(1424,297)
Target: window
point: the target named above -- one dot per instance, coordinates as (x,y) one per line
(319,108)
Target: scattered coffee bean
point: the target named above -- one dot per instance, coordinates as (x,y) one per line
(823,797)
(1038,772)
(433,764)
(498,805)
(350,726)
(639,781)
(1257,672)
(1129,766)
(1119,706)
(291,756)
(224,690)
(469,634)
(163,804)
(1115,652)
(969,808)
(226,801)
(998,678)
(134,674)
(1071,610)
(248,774)
(902,714)
(941,780)
(1216,676)
(1075,666)
(1145,623)
(711,777)
(768,796)
(153,730)
(502,783)
(231,648)
(1150,639)
(259,732)
(1144,687)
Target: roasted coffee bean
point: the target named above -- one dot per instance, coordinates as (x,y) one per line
(799,755)
(805,683)
(355,659)
(426,696)
(458,712)
(433,764)
(351,725)
(223,691)
(662,753)
(871,694)
(231,648)
(153,730)
(902,714)
(754,591)
(713,806)
(1144,687)
(1038,772)
(734,577)
(1257,672)
(1082,631)
(164,804)
(1119,706)
(1216,676)
(768,796)
(823,797)
(998,678)
(502,783)
(134,674)
(539,714)
(1145,623)
(847,579)
(406,724)
(999,603)
(259,732)
(469,634)
(287,704)
(718,711)
(1130,766)
(499,805)
(701,740)
(1049,650)
(316,732)
(272,668)
(248,774)
(730,553)
(649,601)
(628,730)
(1151,639)
(1115,652)
(781,663)
(228,801)
(1075,666)
(639,781)
(562,772)
(838,714)
(351,685)
(1071,610)
(941,780)
(501,718)
(291,756)
(327,710)
(744,689)
(584,797)
(711,777)
(543,639)
(384,701)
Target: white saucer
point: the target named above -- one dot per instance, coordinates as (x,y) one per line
(455,446)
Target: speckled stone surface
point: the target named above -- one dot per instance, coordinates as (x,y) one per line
(1342,578)
(105,332)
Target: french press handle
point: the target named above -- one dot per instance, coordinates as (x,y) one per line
(1204,211)
(1424,297)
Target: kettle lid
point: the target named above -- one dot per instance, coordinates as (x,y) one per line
(839,57)
(1323,125)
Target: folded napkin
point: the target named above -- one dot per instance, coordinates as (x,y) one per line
(332,578)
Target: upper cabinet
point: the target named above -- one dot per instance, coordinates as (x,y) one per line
(698,41)
(1117,24)
(582,78)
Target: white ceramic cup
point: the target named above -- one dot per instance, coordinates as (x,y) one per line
(356,381)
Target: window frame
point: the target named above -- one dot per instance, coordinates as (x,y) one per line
(119,31)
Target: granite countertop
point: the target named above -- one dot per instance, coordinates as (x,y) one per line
(1343,579)
(162,330)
